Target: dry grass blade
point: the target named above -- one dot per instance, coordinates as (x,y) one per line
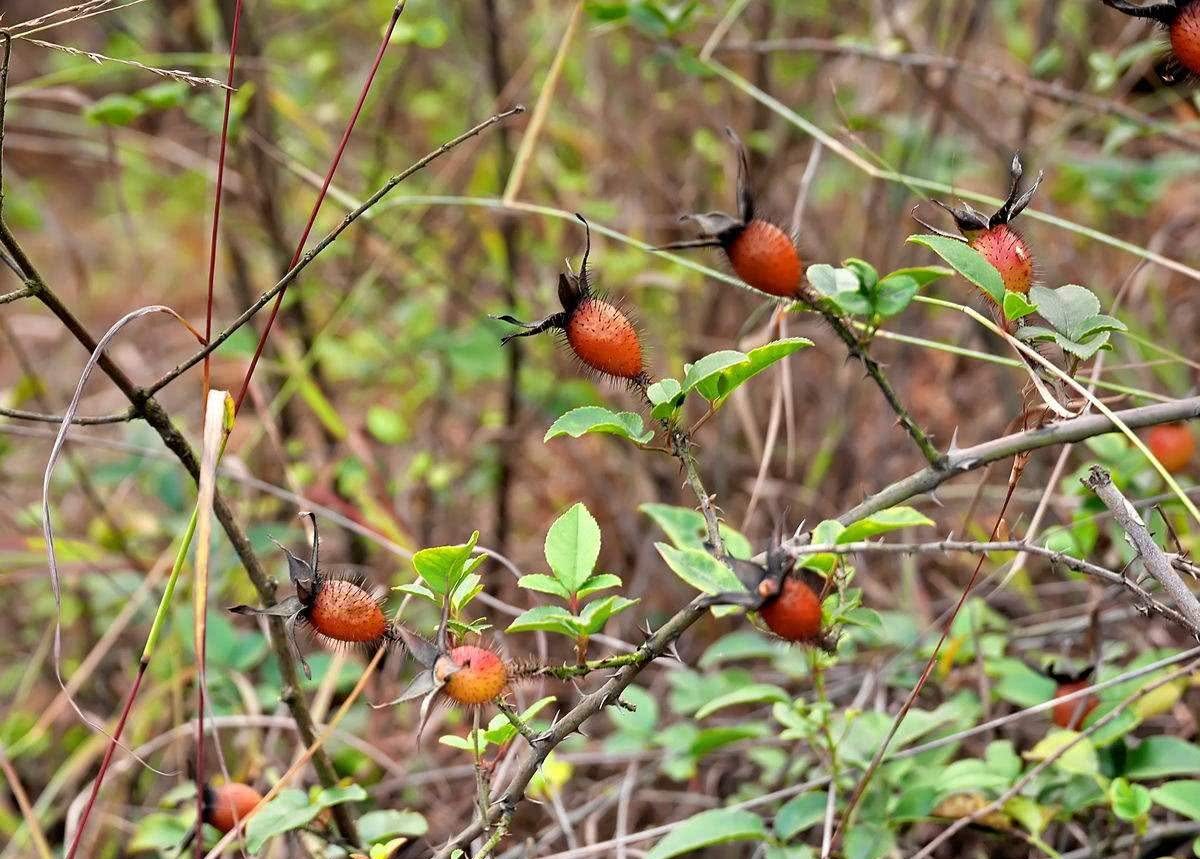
(173,74)
(218,423)
(55,452)
(540,110)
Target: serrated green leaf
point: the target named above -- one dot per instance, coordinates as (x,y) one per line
(1017,306)
(116,109)
(755,693)
(830,281)
(589,419)
(595,614)
(711,365)
(547,618)
(721,384)
(717,826)
(443,568)
(1066,307)
(967,262)
(597,583)
(923,275)
(893,294)
(700,569)
(573,546)
(685,528)
(385,824)
(883,522)
(545,584)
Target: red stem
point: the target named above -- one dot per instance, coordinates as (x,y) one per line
(312,218)
(216,219)
(112,747)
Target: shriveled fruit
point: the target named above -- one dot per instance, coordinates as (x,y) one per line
(1173,445)
(230,803)
(795,614)
(481,675)
(344,611)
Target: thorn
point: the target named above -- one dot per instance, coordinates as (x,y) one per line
(953,443)
(933,497)
(673,652)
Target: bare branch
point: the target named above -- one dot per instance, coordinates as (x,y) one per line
(1154,559)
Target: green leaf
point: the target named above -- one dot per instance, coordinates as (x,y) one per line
(799,813)
(1035,818)
(894,293)
(1066,307)
(923,275)
(1084,351)
(572,547)
(832,282)
(1182,797)
(686,529)
(868,841)
(547,618)
(597,583)
(291,809)
(443,568)
(717,386)
(666,396)
(158,832)
(917,802)
(387,425)
(892,519)
(1129,801)
(717,826)
(596,613)
(1079,759)
(756,693)
(739,645)
(544,584)
(866,273)
(967,262)
(1019,684)
(116,109)
(711,365)
(699,569)
(1157,757)
(586,419)
(385,824)
(1016,306)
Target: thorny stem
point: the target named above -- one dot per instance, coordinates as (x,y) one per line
(514,719)
(858,351)
(681,446)
(1154,559)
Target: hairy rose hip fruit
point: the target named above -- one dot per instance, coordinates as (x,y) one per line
(468,674)
(1181,19)
(599,333)
(760,253)
(229,803)
(340,610)
(1071,714)
(787,600)
(993,237)
(345,611)
(1173,445)
(481,675)
(795,614)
